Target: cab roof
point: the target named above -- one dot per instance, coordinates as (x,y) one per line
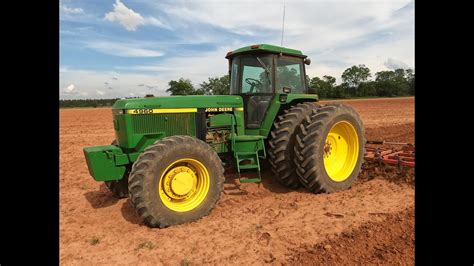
(268,48)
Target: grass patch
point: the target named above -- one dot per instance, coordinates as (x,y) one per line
(147,245)
(94,241)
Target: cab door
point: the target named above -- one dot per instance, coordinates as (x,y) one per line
(257,88)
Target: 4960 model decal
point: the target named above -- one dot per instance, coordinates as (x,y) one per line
(160,111)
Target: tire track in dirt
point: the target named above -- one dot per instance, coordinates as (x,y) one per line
(391,241)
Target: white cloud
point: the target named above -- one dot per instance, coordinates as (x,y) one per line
(210,64)
(153,68)
(130,19)
(71,88)
(63,69)
(91,84)
(69,10)
(155,22)
(334,34)
(123,49)
(72,91)
(395,64)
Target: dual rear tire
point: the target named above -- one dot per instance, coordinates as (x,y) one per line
(320,147)
(329,149)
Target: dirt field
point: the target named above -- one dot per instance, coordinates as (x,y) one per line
(255,224)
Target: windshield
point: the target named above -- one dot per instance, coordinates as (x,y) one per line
(251,74)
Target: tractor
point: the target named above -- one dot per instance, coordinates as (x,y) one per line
(169,152)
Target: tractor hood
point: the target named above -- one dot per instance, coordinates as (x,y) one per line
(189,101)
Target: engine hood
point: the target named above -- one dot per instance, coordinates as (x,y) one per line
(189,101)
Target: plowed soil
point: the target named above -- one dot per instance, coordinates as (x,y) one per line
(371,223)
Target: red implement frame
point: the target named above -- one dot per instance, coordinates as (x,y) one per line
(404,157)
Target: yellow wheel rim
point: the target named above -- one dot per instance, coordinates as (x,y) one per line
(341,151)
(184,185)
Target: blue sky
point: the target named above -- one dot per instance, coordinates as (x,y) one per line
(123,48)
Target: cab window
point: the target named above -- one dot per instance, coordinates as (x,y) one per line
(289,75)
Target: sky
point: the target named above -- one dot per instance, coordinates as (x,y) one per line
(130,48)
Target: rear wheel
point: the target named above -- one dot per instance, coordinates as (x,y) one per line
(330,149)
(282,141)
(176,180)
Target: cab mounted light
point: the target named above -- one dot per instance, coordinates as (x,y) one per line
(255,46)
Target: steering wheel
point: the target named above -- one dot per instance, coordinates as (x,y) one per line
(253,82)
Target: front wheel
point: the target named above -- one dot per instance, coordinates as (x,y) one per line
(177,180)
(330,149)
(118,188)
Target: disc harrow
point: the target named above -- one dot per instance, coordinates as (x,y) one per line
(396,156)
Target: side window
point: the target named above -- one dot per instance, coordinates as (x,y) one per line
(234,87)
(289,75)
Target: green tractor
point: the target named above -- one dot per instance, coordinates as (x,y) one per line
(169,152)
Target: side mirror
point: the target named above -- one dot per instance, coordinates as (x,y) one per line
(286,90)
(307,61)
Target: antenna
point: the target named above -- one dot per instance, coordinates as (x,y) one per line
(283,26)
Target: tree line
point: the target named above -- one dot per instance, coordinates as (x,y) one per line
(357,81)
(86,103)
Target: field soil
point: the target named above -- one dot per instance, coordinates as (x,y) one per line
(371,223)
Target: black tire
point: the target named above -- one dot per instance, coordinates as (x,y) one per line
(119,188)
(150,166)
(311,141)
(282,141)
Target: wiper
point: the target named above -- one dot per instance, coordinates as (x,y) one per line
(267,70)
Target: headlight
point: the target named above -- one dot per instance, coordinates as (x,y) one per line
(117,111)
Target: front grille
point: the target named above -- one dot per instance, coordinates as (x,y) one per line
(171,124)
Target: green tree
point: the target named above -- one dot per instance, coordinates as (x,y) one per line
(367,89)
(410,77)
(181,87)
(315,85)
(324,87)
(353,77)
(216,86)
(386,83)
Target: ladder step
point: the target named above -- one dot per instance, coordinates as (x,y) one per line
(248,166)
(250,180)
(253,159)
(246,153)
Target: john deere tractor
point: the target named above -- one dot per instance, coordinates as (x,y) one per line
(168,153)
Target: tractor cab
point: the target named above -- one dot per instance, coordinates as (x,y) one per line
(261,72)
